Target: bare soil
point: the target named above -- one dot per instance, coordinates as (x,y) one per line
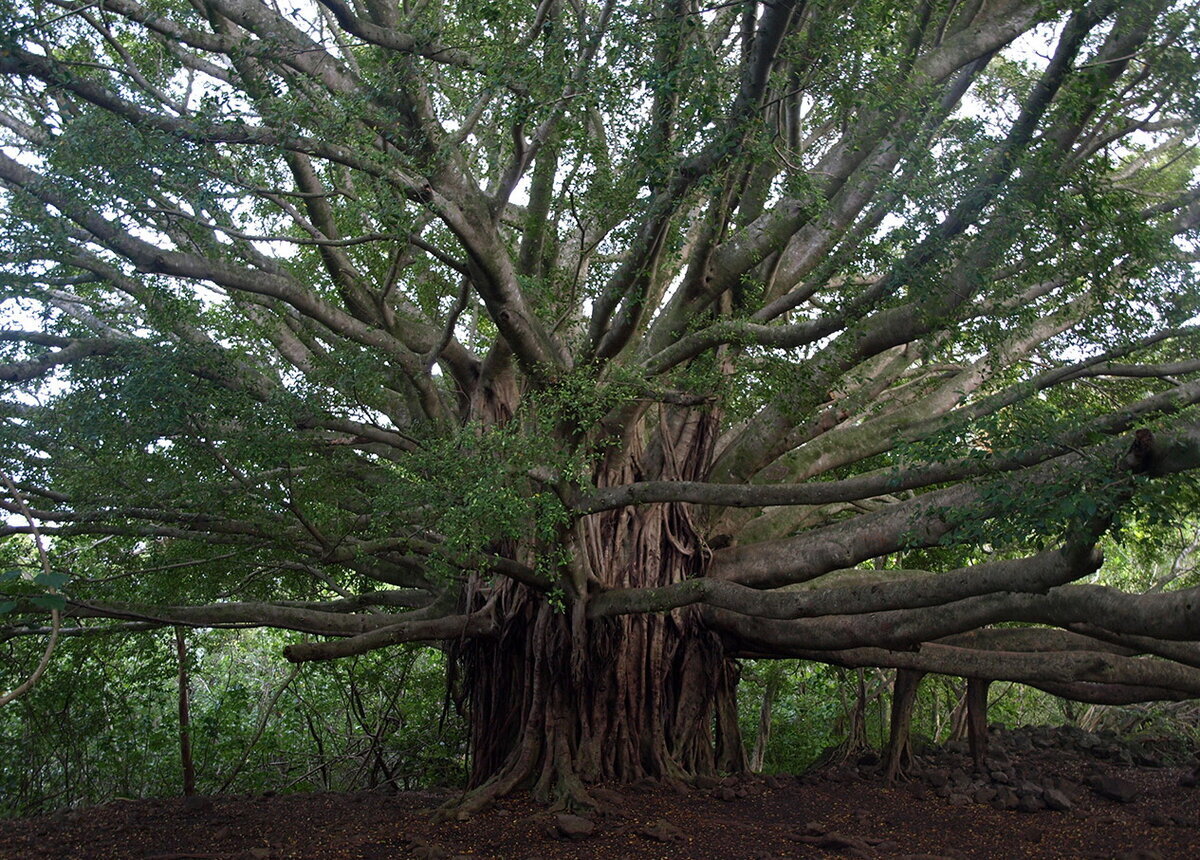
(942,809)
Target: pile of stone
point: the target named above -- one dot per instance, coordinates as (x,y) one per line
(1029,769)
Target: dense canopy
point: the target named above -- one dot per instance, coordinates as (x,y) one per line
(603,343)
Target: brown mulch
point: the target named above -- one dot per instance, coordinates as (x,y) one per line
(841,811)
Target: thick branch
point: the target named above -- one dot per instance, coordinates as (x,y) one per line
(1172,616)
(1086,676)
(75,351)
(453,627)
(1036,574)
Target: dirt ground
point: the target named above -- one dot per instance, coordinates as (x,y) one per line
(1047,795)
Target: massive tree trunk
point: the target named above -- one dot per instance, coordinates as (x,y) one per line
(558,700)
(554,709)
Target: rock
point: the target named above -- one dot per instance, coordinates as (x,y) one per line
(937,778)
(1030,803)
(662,831)
(573,826)
(957,799)
(726,794)
(851,845)
(1115,788)
(1056,800)
(984,794)
(1146,758)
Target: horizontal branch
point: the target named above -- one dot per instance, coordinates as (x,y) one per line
(16,631)
(1165,370)
(921,521)
(1098,693)
(23,371)
(1173,616)
(1085,676)
(242,614)
(452,627)
(915,523)
(1036,574)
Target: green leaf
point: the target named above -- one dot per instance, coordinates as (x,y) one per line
(49,601)
(7,606)
(52,580)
